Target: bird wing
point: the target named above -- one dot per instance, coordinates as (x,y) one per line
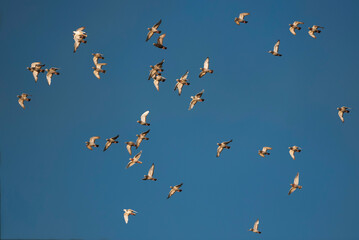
(200,94)
(206,63)
(35,74)
(95,60)
(128,146)
(291,29)
(145,133)
(34,64)
(138,155)
(242,15)
(261,154)
(157,24)
(297,23)
(296,179)
(202,74)
(291,152)
(76,45)
(130,164)
(156,83)
(179,86)
(340,113)
(160,39)
(107,145)
(184,77)
(80,29)
(149,35)
(138,141)
(97,74)
(21,102)
(255,227)
(292,189)
(228,141)
(219,150)
(92,140)
(125,216)
(171,193)
(152,169)
(311,33)
(114,138)
(48,77)
(266,148)
(191,105)
(276,46)
(144,116)
(179,185)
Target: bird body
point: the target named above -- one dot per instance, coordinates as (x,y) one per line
(35,68)
(141,137)
(314,29)
(96,56)
(98,68)
(129,145)
(157,79)
(153,30)
(181,82)
(79,37)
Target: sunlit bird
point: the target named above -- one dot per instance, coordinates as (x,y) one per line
(79,37)
(341,111)
(156,69)
(157,79)
(294,27)
(141,137)
(314,29)
(195,99)
(264,151)
(205,68)
(134,160)
(110,141)
(293,150)
(129,145)
(159,43)
(127,213)
(97,56)
(240,18)
(275,49)
(149,175)
(180,82)
(295,184)
(174,189)
(153,30)
(23,97)
(143,119)
(221,146)
(255,227)
(98,69)
(92,143)
(35,68)
(49,74)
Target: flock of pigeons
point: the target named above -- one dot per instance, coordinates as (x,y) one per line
(79,37)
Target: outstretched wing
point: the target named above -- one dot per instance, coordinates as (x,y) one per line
(156,83)
(92,139)
(276,46)
(125,216)
(170,193)
(128,147)
(242,15)
(184,77)
(200,94)
(219,150)
(160,39)
(21,102)
(35,74)
(206,63)
(158,24)
(291,152)
(152,169)
(48,77)
(292,189)
(138,155)
(149,35)
(296,179)
(255,227)
(228,141)
(144,116)
(191,105)
(311,33)
(130,164)
(340,114)
(291,29)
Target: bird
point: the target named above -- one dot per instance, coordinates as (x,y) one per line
(134,160)
(294,26)
(174,189)
(295,184)
(110,141)
(149,175)
(155,69)
(313,30)
(153,30)
(196,99)
(255,227)
(143,119)
(141,137)
(99,69)
(127,213)
(92,143)
(341,111)
(159,43)
(129,145)
(205,68)
(35,68)
(221,146)
(240,19)
(51,72)
(180,82)
(23,97)
(96,56)
(275,49)
(157,79)
(79,37)
(294,149)
(264,152)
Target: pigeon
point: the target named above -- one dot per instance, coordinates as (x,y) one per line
(255,227)
(110,141)
(134,160)
(143,119)
(127,213)
(294,149)
(240,19)
(294,26)
(174,189)
(79,37)
(159,43)
(264,152)
(153,30)
(129,145)
(221,146)
(149,175)
(205,68)
(196,99)
(295,184)
(313,30)
(141,137)
(51,72)
(275,49)
(92,143)
(36,69)
(155,69)
(80,32)
(99,69)
(23,97)
(157,79)
(341,111)
(180,82)
(96,56)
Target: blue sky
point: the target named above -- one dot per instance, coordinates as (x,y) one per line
(54,187)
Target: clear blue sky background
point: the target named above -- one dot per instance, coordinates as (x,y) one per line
(54,187)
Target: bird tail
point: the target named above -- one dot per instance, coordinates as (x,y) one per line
(180,190)
(159,32)
(154,179)
(97,145)
(139,162)
(104,71)
(164,47)
(259,232)
(300,187)
(299,28)
(211,71)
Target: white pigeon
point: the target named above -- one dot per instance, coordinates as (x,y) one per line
(221,146)
(149,175)
(341,111)
(156,69)
(110,141)
(51,72)
(141,137)
(35,68)
(240,19)
(255,227)
(180,82)
(99,69)
(295,184)
(205,68)
(153,30)
(159,43)
(313,30)
(294,149)
(294,26)
(134,160)
(264,151)
(92,143)
(127,213)
(79,37)
(174,189)
(23,97)
(143,119)
(157,79)
(275,49)
(195,99)
(96,56)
